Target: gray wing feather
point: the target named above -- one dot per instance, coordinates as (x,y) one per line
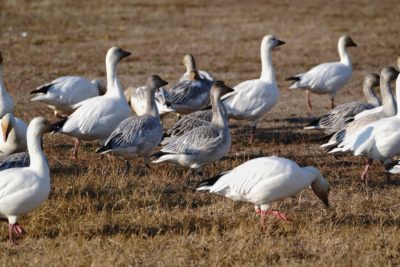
(189,122)
(187,90)
(17,160)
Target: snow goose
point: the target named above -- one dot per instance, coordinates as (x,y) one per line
(16,160)
(336,118)
(190,64)
(379,140)
(189,95)
(204,144)
(262,181)
(13,135)
(96,117)
(136,97)
(138,136)
(64,92)
(389,109)
(24,189)
(327,78)
(6,101)
(253,98)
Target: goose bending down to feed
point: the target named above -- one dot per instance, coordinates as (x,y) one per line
(327,78)
(96,117)
(202,145)
(24,189)
(389,109)
(6,101)
(379,140)
(251,99)
(337,118)
(136,97)
(189,95)
(190,64)
(265,180)
(64,92)
(138,136)
(13,135)
(16,160)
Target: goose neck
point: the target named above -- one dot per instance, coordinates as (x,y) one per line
(370,95)
(38,160)
(2,87)
(151,106)
(218,117)
(344,55)
(114,87)
(388,101)
(267,70)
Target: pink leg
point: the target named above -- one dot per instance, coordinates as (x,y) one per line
(10,233)
(277,214)
(309,101)
(364,174)
(15,229)
(76,146)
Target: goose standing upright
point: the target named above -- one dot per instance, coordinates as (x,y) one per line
(138,136)
(336,118)
(24,189)
(251,99)
(379,140)
(327,78)
(96,117)
(13,135)
(389,109)
(190,64)
(64,92)
(262,181)
(6,101)
(205,144)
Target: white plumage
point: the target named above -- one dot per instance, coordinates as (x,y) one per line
(12,135)
(253,98)
(263,181)
(190,64)
(96,117)
(379,140)
(6,101)
(64,92)
(24,189)
(327,78)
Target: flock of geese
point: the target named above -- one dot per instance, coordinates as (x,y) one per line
(89,111)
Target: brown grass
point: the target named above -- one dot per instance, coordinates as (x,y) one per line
(100,217)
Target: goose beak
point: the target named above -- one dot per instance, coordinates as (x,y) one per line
(6,129)
(351,43)
(125,53)
(163,83)
(280,42)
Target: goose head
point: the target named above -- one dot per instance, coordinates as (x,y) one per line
(115,54)
(270,42)
(320,185)
(346,41)
(219,88)
(194,75)
(188,61)
(7,125)
(100,86)
(371,80)
(38,126)
(154,82)
(389,74)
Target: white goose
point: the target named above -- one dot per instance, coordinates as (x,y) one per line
(138,136)
(6,101)
(389,109)
(379,140)
(263,181)
(202,145)
(96,117)
(253,98)
(190,64)
(24,189)
(337,118)
(64,92)
(327,78)
(136,97)
(13,135)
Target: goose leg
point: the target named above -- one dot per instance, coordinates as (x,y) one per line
(332,103)
(277,214)
(309,101)
(17,229)
(127,167)
(253,131)
(364,174)
(77,142)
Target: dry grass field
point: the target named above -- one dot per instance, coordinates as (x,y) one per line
(98,216)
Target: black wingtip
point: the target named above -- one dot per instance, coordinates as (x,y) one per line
(55,127)
(210,181)
(158,155)
(42,89)
(102,149)
(293,78)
